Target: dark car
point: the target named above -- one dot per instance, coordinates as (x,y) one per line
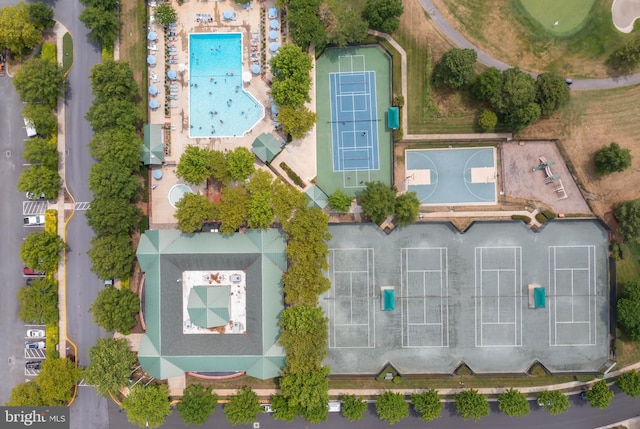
(26,271)
(32,365)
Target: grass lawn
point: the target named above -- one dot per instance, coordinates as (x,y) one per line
(133,45)
(67,52)
(628,268)
(569,14)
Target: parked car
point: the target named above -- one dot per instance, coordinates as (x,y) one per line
(34,220)
(32,365)
(35,333)
(267,408)
(108,282)
(32,196)
(29,272)
(35,345)
(334,406)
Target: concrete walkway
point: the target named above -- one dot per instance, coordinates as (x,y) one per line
(484,58)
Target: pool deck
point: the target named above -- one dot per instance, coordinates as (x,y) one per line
(300,155)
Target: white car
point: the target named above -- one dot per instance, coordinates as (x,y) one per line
(32,196)
(267,408)
(35,333)
(36,345)
(34,220)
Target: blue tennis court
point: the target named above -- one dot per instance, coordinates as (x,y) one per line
(354,119)
(464,176)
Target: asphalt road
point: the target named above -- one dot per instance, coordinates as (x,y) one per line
(484,58)
(579,416)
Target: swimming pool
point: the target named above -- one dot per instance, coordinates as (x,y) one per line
(218,104)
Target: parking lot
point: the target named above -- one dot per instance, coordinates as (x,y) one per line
(34,334)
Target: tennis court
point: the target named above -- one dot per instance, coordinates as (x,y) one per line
(353,87)
(464,176)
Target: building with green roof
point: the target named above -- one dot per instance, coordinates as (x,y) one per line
(169,348)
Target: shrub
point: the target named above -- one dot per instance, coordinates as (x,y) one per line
(487,120)
(398,100)
(339,201)
(49,52)
(292,175)
(52,340)
(51,221)
(525,219)
(397,379)
(541,218)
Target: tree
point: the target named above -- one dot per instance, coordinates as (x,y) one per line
(115,309)
(243,407)
(339,201)
(378,201)
(286,199)
(109,179)
(39,81)
(305,26)
(197,404)
(513,403)
(612,159)
(304,337)
(552,92)
(297,121)
(111,256)
(165,14)
(487,85)
(628,309)
(38,302)
(600,396)
(192,211)
(281,409)
(554,401)
(345,26)
(427,404)
(56,380)
(628,215)
(117,145)
(41,16)
(407,208)
(147,406)
(41,153)
(471,404)
(110,5)
(113,79)
(629,383)
(112,216)
(240,163)
(18,32)
(522,117)
(627,57)
(110,363)
(113,113)
(353,407)
(40,180)
(260,210)
(103,24)
(41,251)
(219,170)
(517,90)
(26,395)
(383,14)
(292,81)
(456,68)
(487,120)
(308,392)
(195,165)
(290,92)
(391,407)
(42,117)
(232,209)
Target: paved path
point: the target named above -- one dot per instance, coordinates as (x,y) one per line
(460,41)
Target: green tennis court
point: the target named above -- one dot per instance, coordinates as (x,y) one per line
(559,17)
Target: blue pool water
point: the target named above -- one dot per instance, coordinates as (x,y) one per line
(218,104)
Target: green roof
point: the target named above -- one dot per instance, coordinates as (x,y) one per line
(165,351)
(208,306)
(393,118)
(317,198)
(266,147)
(153,148)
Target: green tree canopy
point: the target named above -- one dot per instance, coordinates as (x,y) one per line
(197,404)
(290,92)
(110,5)
(108,179)
(427,404)
(456,68)
(353,407)
(407,208)
(471,404)
(232,209)
(240,163)
(292,81)
(39,81)
(339,201)
(243,407)
(391,407)
(18,31)
(41,251)
(113,79)
(552,92)
(42,117)
(115,309)
(40,180)
(612,159)
(110,364)
(517,90)
(627,57)
(297,121)
(147,406)
(344,26)
(103,24)
(378,201)
(522,117)
(26,395)
(259,210)
(383,15)
(628,215)
(56,380)
(192,211)
(304,337)
(41,153)
(38,302)
(195,164)
(513,403)
(111,256)
(117,145)
(41,15)
(308,392)
(305,26)
(281,409)
(629,383)
(286,199)
(114,113)
(218,166)
(554,401)
(600,396)
(487,119)
(487,85)
(165,14)
(112,216)
(628,309)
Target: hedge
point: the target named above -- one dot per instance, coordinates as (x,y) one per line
(549,214)
(525,219)
(53,338)
(51,221)
(540,217)
(292,175)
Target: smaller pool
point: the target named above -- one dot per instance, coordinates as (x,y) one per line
(177,192)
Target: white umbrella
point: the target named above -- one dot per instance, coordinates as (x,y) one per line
(246,76)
